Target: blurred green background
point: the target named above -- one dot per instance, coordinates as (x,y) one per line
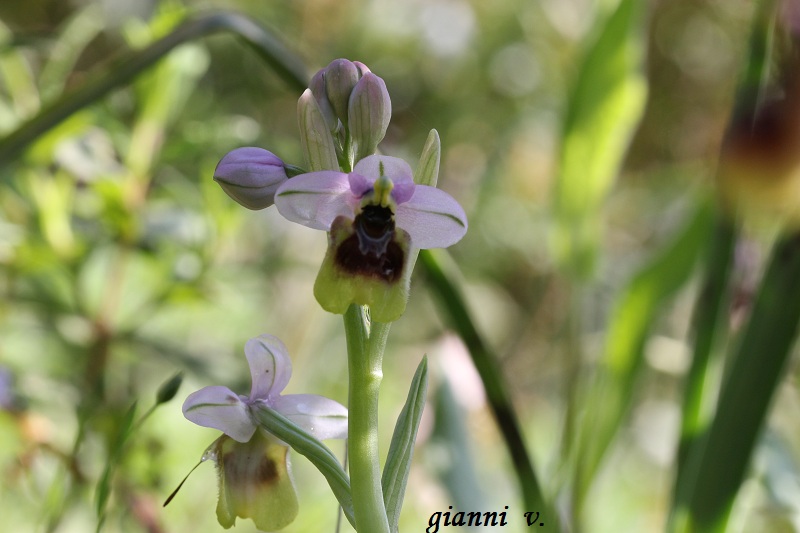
(121,262)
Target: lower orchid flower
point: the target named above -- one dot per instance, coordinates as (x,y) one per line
(375,216)
(253,465)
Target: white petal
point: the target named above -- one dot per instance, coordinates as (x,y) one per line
(270,366)
(316,199)
(432,218)
(220,408)
(322,417)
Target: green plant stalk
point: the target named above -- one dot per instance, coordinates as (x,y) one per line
(365,345)
(718,469)
(123,71)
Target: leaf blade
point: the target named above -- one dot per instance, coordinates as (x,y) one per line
(401,449)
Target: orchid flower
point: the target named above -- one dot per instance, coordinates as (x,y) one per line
(254,470)
(376,215)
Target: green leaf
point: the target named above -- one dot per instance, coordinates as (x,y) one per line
(712,301)
(710,316)
(602,112)
(115,454)
(401,450)
(718,466)
(315,451)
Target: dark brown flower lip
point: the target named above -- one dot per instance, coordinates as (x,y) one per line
(371,250)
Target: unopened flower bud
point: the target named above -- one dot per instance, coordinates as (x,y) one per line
(251,176)
(332,87)
(315,138)
(169,388)
(341,76)
(317,86)
(370,110)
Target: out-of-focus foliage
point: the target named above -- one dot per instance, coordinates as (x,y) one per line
(121,262)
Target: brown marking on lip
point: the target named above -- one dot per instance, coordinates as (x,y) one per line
(371,251)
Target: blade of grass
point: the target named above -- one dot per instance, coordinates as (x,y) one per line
(713,298)
(401,449)
(604,107)
(717,470)
(707,320)
(274,53)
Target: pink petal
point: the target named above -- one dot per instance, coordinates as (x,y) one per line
(432,218)
(394,168)
(315,199)
(360,185)
(403,190)
(322,417)
(270,366)
(220,408)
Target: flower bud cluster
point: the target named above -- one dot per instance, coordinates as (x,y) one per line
(355,105)
(344,115)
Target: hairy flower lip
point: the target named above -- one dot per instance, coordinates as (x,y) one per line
(255,482)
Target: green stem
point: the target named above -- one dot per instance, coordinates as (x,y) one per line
(365,356)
